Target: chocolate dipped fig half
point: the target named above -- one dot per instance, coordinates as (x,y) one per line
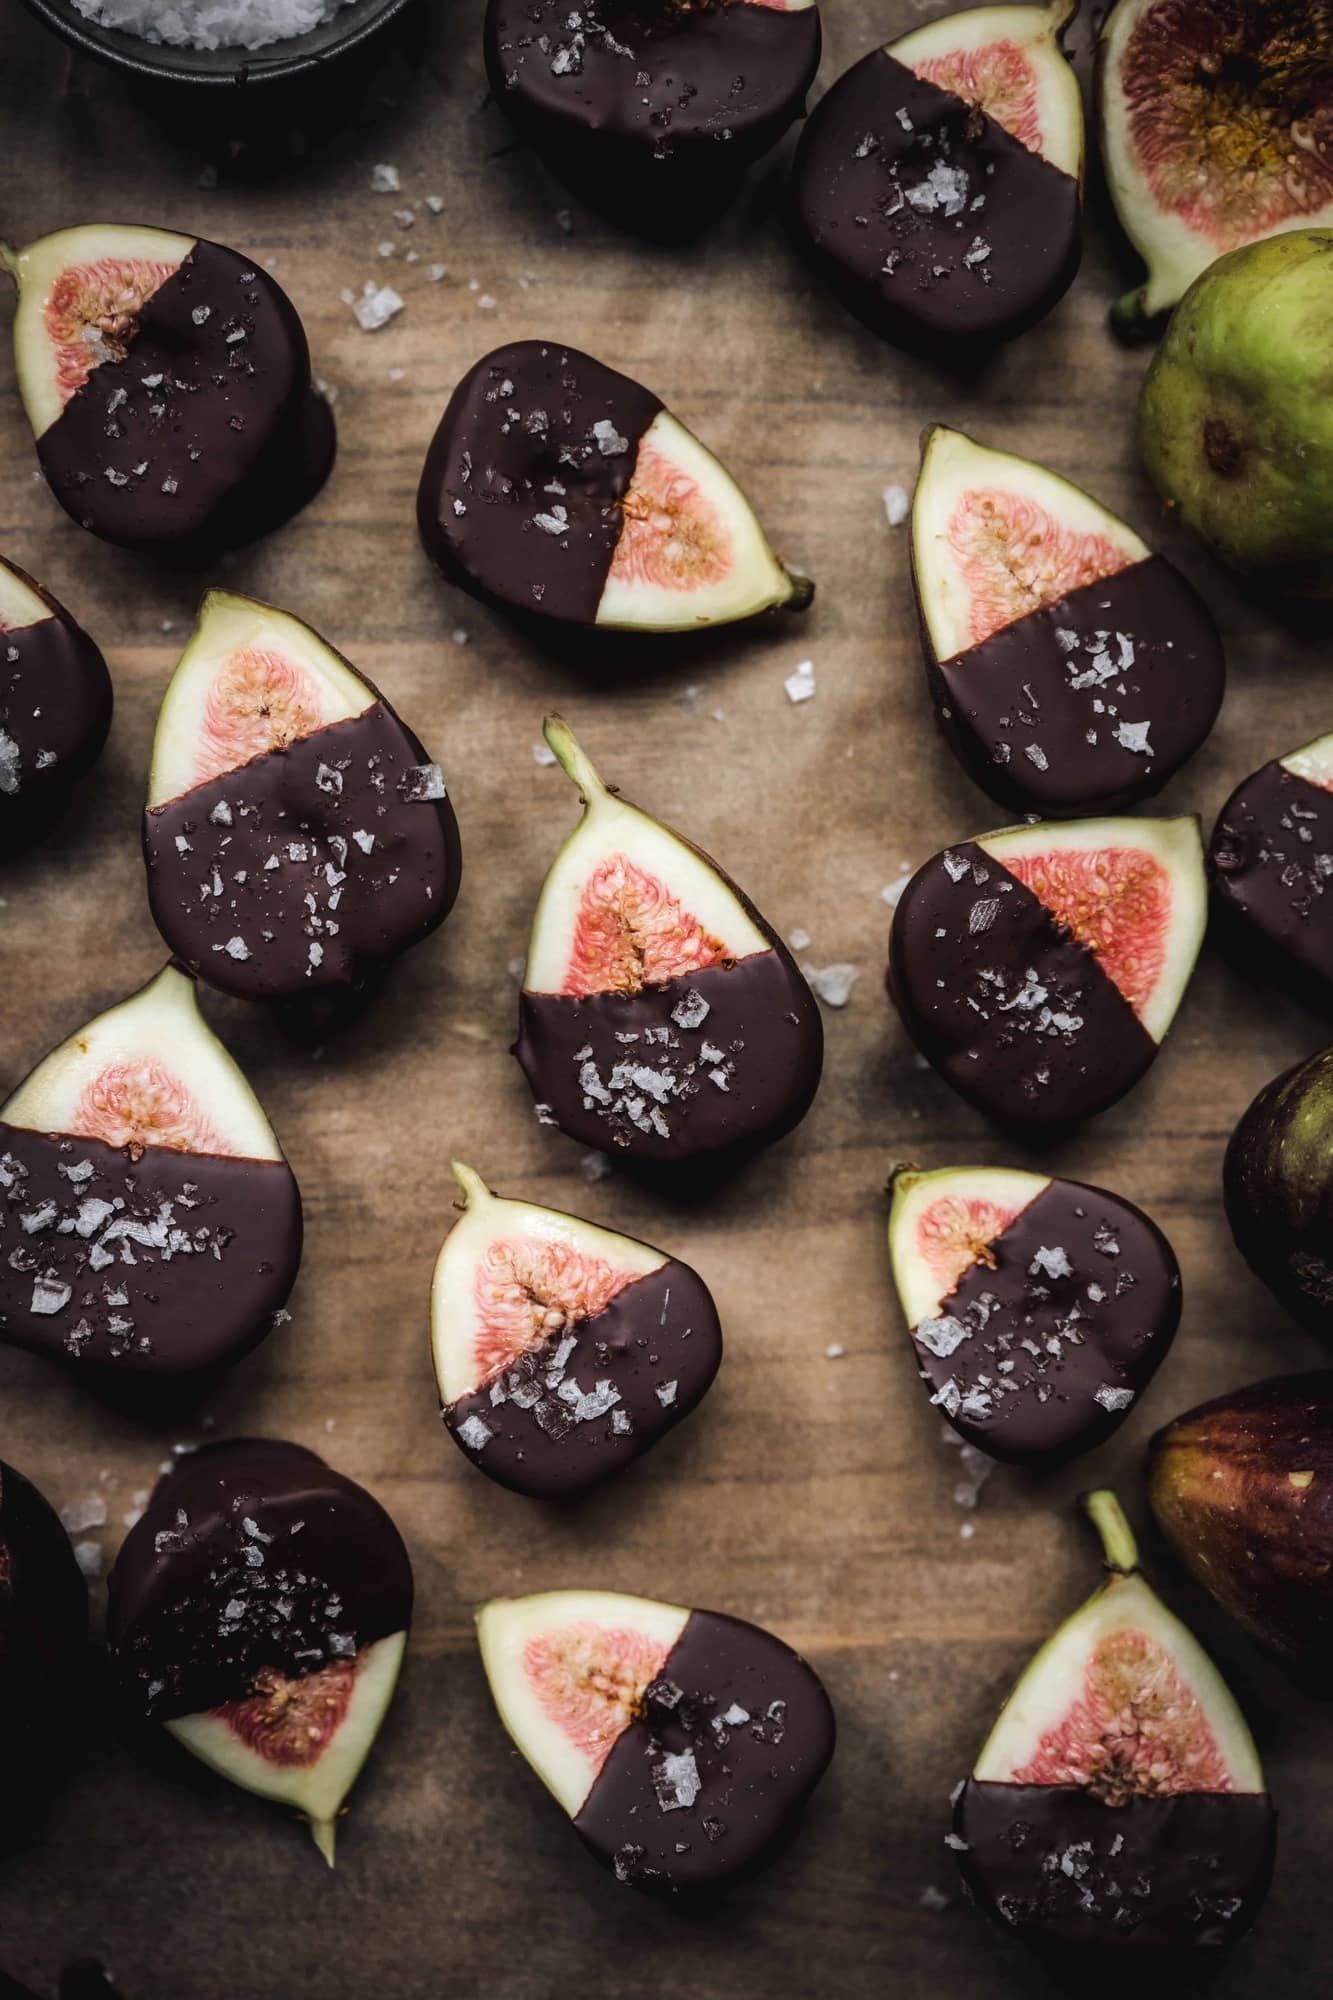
(43,1628)
(259,1610)
(55,706)
(149,1222)
(682,1744)
(1118,1804)
(652,109)
(1071,669)
(1038,1308)
(1270,863)
(1216,128)
(562,1351)
(660,1016)
(558,488)
(297,836)
(938,184)
(1039,968)
(167,383)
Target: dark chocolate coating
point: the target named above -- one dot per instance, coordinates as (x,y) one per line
(745,1077)
(82,1979)
(654,108)
(305,805)
(227,439)
(753,1776)
(660,1333)
(1038,1346)
(1062,1869)
(1020,708)
(171,1263)
(278,1562)
(43,1616)
(857,169)
(517,442)
(965,997)
(55,711)
(1270,862)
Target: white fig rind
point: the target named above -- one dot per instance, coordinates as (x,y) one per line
(1035,30)
(1313,762)
(20,604)
(914,1194)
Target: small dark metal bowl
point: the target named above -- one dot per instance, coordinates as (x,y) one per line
(349,27)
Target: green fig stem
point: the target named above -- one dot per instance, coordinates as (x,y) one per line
(1120,1551)
(472,1184)
(573,759)
(322,1833)
(9,260)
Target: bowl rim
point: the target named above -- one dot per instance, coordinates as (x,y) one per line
(141,58)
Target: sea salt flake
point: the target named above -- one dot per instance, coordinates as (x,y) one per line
(376,308)
(896,505)
(800,685)
(692,1011)
(666,1394)
(422,783)
(475,1433)
(384,179)
(1134,736)
(832,983)
(676,1780)
(941,1336)
(609,441)
(50,1294)
(1052,1263)
(1111,1398)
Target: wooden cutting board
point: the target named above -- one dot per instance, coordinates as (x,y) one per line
(815,1495)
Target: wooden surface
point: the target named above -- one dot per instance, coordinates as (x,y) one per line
(814,1495)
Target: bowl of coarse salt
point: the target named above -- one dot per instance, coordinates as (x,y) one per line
(228,42)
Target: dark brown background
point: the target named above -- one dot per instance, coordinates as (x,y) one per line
(813,1495)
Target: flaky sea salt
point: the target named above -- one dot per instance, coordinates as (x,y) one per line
(376,308)
(800,685)
(213,24)
(895,505)
(833,983)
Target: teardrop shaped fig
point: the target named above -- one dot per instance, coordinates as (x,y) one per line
(1038,1308)
(660,1015)
(1216,128)
(55,706)
(682,1744)
(167,383)
(1039,968)
(1071,668)
(148,1219)
(557,488)
(938,183)
(1270,863)
(1277,1181)
(43,1630)
(259,1610)
(562,1350)
(1242,1488)
(297,835)
(1118,1804)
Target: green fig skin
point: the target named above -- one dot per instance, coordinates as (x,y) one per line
(1242,1488)
(1277,1184)
(1236,412)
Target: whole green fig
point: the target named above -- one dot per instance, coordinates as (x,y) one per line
(1236,412)
(1277,1183)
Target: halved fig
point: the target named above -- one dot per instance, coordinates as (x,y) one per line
(682,1744)
(1039,968)
(652,113)
(55,705)
(43,1628)
(562,1350)
(167,383)
(1118,1804)
(557,487)
(297,836)
(259,1609)
(660,1015)
(939,182)
(1070,667)
(1270,862)
(1038,1308)
(148,1219)
(1216,128)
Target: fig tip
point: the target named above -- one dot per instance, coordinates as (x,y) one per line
(1120,1551)
(572,759)
(471,1182)
(802,591)
(322,1833)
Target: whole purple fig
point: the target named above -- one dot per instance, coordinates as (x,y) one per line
(1278,1186)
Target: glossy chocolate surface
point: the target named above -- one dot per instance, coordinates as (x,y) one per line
(55,711)
(618,1071)
(1006,1004)
(1061,1868)
(306,867)
(693,1791)
(162,1265)
(925,217)
(665,104)
(1270,862)
(43,1610)
(520,495)
(1042,1346)
(251,1554)
(598,1394)
(191,441)
(1048,715)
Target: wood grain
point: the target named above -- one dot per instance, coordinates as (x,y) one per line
(813,1495)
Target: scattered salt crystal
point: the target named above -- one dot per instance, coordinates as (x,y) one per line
(422,783)
(676,1780)
(692,1011)
(896,505)
(833,983)
(365,841)
(1134,736)
(50,1295)
(1113,1399)
(435,203)
(384,179)
(609,441)
(434,273)
(376,308)
(1053,1263)
(542,753)
(88,1555)
(666,1394)
(81,1514)
(892,891)
(934,1899)
(834,1351)
(800,685)
(798,940)
(237,948)
(594,1166)
(975,1468)
(475,1434)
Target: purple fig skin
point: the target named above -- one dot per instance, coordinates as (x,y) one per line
(1242,1488)
(1277,1183)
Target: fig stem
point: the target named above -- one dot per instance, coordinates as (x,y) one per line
(802,590)
(572,759)
(471,1182)
(322,1833)
(1120,1551)
(9,261)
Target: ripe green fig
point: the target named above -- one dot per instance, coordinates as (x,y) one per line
(1277,1182)
(1236,412)
(1242,1488)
